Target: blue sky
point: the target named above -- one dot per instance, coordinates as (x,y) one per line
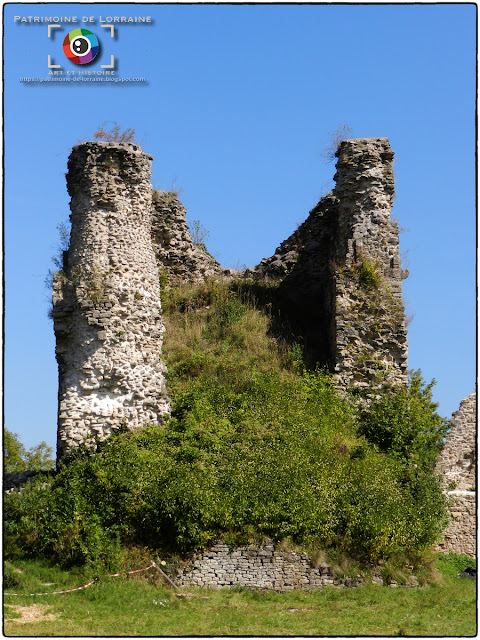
(236,109)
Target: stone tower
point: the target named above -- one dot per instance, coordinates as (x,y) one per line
(340,275)
(106,301)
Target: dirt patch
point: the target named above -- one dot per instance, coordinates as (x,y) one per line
(32,613)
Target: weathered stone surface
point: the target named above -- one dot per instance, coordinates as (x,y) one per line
(456,462)
(460,535)
(246,566)
(174,249)
(106,301)
(456,466)
(340,274)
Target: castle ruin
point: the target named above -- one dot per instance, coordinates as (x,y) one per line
(339,283)
(340,274)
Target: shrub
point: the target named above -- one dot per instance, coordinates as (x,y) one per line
(115,133)
(404,423)
(336,138)
(275,460)
(199,234)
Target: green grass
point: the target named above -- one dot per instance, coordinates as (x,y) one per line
(142,606)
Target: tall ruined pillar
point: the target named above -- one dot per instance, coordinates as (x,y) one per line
(370,331)
(106,301)
(339,273)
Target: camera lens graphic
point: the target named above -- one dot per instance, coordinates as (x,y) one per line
(81,46)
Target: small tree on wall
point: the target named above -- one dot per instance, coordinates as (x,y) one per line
(199,234)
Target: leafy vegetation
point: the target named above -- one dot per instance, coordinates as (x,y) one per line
(404,424)
(257,446)
(368,274)
(17,458)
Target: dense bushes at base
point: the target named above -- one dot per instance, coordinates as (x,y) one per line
(281,460)
(258,450)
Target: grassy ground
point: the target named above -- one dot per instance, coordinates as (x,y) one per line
(142,606)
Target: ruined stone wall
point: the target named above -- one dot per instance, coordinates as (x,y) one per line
(456,465)
(371,336)
(174,249)
(340,275)
(456,462)
(460,534)
(265,566)
(106,301)
(339,287)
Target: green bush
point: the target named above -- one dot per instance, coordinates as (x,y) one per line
(404,423)
(11,578)
(278,460)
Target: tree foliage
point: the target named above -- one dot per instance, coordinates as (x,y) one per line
(17,458)
(405,424)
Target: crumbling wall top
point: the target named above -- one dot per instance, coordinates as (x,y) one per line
(456,462)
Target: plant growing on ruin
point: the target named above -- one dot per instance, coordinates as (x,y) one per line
(62,246)
(367,273)
(115,133)
(91,282)
(169,198)
(336,138)
(199,234)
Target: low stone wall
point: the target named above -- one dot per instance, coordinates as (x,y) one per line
(263,567)
(460,535)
